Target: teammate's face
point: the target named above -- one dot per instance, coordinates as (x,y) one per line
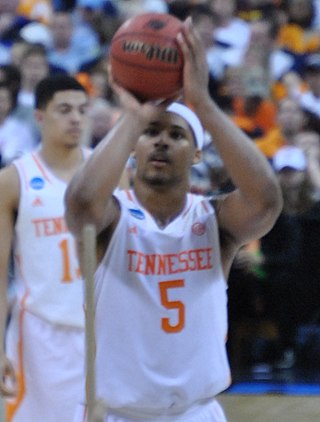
(64,119)
(165,151)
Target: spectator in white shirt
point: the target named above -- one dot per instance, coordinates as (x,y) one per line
(15,137)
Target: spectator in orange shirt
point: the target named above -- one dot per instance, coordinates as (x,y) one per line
(37,10)
(298,34)
(291,119)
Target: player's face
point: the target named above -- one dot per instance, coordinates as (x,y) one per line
(165,151)
(64,119)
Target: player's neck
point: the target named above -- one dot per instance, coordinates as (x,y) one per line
(62,162)
(163,206)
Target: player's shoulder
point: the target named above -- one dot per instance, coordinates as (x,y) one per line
(202,201)
(24,159)
(9,174)
(9,185)
(125,196)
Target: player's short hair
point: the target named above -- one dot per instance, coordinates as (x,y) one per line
(47,87)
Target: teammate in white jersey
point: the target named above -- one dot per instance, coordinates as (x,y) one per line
(163,254)
(41,364)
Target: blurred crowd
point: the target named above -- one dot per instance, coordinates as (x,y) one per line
(264,64)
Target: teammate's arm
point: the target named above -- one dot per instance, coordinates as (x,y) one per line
(9,199)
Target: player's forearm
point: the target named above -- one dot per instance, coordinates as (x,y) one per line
(90,191)
(3,314)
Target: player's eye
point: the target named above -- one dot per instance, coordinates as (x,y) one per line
(64,109)
(176,135)
(83,110)
(151,131)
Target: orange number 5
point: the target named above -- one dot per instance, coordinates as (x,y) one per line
(172,304)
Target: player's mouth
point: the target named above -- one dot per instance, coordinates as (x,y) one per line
(159,159)
(74,132)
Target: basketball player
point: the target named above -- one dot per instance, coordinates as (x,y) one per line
(164,254)
(41,366)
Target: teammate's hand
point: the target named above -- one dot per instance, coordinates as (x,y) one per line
(8,383)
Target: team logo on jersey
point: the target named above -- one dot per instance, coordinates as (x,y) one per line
(137,214)
(199,229)
(37,183)
(133,230)
(37,202)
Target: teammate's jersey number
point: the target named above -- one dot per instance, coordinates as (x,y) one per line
(68,274)
(168,325)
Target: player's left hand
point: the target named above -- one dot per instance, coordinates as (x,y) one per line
(195,71)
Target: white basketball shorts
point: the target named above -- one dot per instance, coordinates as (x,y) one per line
(209,412)
(49,362)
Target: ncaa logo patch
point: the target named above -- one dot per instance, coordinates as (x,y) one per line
(37,183)
(137,214)
(199,229)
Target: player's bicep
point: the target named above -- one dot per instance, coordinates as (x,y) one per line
(9,199)
(100,214)
(241,219)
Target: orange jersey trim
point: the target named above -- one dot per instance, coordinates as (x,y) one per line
(40,167)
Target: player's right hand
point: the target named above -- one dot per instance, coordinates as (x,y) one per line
(8,382)
(147,110)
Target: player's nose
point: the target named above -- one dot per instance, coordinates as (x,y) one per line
(76,115)
(163,138)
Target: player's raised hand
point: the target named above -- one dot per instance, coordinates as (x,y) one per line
(195,72)
(130,103)
(8,385)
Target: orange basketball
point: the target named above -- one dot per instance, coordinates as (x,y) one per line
(146,58)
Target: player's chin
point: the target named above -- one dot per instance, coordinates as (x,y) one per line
(74,138)
(73,142)
(157,179)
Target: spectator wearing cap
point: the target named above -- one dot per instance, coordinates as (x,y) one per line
(291,254)
(289,157)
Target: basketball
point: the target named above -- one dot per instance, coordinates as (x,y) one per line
(146,58)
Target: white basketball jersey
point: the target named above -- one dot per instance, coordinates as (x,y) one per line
(161,310)
(47,276)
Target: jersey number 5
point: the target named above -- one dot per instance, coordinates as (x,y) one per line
(166,324)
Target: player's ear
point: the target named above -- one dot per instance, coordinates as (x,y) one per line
(38,116)
(197,156)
